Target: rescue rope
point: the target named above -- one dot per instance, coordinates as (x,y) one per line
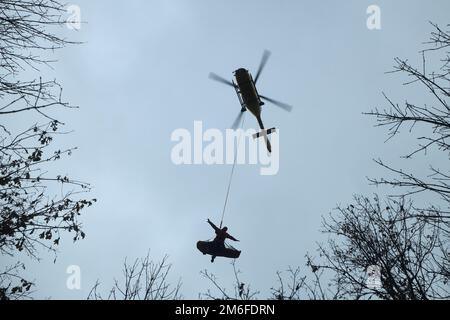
(232,171)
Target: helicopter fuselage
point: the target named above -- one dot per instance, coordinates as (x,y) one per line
(247,93)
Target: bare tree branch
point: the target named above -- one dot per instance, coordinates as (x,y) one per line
(142,280)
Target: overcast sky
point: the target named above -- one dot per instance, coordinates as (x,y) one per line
(142,72)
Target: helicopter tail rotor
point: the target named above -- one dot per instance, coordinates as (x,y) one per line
(261,133)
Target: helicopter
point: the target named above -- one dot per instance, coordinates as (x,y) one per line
(249,98)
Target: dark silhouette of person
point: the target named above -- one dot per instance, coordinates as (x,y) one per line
(221,236)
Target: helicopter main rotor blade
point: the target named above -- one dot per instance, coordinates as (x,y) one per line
(263,62)
(218,78)
(237,121)
(279,104)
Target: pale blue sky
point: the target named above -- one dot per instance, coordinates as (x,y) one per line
(143,72)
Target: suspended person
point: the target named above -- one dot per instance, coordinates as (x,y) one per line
(221,236)
(217,246)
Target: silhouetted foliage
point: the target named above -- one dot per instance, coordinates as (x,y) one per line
(32,216)
(12,285)
(142,280)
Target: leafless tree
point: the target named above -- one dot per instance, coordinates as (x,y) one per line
(292,288)
(410,253)
(31,215)
(241,291)
(415,239)
(142,280)
(27,33)
(433,117)
(407,244)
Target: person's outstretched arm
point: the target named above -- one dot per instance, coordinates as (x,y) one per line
(212,225)
(231,237)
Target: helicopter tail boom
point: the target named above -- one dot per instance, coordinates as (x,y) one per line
(264,133)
